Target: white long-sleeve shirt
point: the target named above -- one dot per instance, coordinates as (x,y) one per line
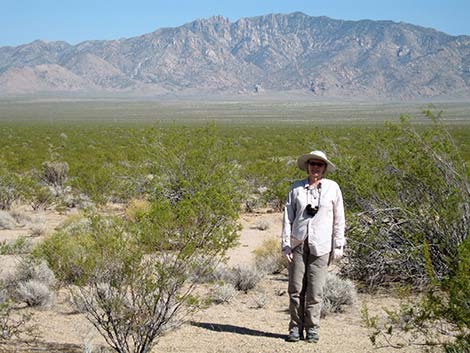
(326,229)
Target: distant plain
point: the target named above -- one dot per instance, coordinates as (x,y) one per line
(232,111)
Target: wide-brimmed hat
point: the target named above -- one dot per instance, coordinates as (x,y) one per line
(303,160)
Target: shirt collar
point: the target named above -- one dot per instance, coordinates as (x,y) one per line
(307,185)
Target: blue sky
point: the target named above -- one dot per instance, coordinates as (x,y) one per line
(22,21)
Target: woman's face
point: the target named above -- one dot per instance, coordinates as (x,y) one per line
(316,168)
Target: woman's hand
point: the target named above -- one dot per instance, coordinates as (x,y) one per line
(287,252)
(338,253)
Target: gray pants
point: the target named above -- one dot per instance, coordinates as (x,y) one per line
(307,274)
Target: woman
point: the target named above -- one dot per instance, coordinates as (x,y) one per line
(312,233)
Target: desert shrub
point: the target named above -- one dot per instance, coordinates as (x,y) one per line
(6,220)
(207,269)
(260,300)
(80,246)
(24,187)
(252,202)
(55,173)
(10,187)
(218,273)
(76,224)
(21,217)
(38,229)
(20,245)
(425,227)
(35,293)
(223,293)
(276,183)
(268,257)
(245,278)
(12,324)
(241,277)
(32,283)
(32,268)
(41,196)
(134,280)
(337,293)
(38,226)
(136,208)
(262,225)
(187,195)
(408,197)
(445,307)
(458,287)
(97,187)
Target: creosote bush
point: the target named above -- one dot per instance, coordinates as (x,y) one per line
(55,173)
(10,187)
(135,279)
(440,317)
(410,225)
(408,205)
(12,324)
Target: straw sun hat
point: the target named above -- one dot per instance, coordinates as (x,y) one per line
(303,160)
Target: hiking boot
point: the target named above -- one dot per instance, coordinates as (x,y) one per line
(312,335)
(294,335)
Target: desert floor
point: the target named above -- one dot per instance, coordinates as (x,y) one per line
(241,326)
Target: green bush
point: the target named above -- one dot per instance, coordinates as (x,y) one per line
(410,194)
(197,193)
(134,278)
(75,252)
(20,245)
(413,228)
(55,173)
(10,187)
(440,317)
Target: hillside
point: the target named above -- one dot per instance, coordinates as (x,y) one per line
(316,56)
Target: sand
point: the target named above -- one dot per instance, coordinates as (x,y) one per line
(252,322)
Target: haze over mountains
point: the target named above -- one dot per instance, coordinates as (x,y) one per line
(295,53)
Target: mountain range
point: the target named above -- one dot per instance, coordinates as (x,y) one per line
(295,53)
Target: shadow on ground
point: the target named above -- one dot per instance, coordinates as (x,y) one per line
(236,329)
(38,346)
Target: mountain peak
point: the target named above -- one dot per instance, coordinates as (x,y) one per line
(314,56)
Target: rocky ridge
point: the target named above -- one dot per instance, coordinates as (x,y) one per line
(316,56)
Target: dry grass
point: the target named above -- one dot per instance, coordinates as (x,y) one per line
(268,257)
(136,208)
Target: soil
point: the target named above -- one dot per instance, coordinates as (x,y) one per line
(255,321)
